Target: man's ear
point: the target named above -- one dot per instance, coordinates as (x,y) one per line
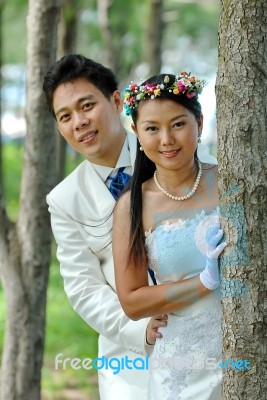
(118,100)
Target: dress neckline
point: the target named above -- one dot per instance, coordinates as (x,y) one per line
(181,223)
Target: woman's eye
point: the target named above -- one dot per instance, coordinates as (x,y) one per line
(151,129)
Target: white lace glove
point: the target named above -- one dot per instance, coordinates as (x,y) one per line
(210,277)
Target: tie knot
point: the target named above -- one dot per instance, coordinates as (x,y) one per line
(118,183)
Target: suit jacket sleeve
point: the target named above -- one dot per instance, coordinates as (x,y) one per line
(87,288)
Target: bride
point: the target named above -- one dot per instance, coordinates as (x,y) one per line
(168,221)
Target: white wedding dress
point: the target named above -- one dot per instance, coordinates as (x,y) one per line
(184,363)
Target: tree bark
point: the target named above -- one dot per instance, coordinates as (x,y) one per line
(242,155)
(25,245)
(104,10)
(155,36)
(67,29)
(67,37)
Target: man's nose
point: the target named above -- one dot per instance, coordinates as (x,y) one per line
(80,120)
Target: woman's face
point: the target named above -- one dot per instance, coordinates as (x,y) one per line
(168,132)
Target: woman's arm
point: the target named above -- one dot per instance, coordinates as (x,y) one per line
(137,298)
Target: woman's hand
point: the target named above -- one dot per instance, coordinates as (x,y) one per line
(210,277)
(152,328)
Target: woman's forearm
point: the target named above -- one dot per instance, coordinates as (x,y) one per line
(152,300)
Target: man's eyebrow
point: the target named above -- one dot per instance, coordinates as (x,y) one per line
(80,100)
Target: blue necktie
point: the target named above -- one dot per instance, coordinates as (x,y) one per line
(118,182)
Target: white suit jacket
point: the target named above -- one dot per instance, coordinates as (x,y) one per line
(81,217)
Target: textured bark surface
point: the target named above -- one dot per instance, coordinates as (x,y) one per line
(67,35)
(154,36)
(241,90)
(25,245)
(104,10)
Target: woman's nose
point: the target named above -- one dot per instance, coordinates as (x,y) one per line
(167,138)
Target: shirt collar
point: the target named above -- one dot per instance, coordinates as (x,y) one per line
(124,160)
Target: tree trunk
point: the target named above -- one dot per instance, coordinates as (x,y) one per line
(67,29)
(104,10)
(67,35)
(155,36)
(242,155)
(25,246)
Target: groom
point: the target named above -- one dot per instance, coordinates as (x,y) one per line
(82,96)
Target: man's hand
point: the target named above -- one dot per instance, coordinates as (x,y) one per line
(152,328)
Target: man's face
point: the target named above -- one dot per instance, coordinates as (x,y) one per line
(89,121)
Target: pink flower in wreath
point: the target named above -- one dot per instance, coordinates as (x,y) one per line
(181,86)
(190,95)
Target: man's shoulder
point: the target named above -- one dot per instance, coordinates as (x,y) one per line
(68,188)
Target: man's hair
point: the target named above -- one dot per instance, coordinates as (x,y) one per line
(72,67)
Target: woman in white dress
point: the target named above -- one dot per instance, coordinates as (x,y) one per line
(169,221)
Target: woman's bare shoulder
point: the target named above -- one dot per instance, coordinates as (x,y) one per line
(123,204)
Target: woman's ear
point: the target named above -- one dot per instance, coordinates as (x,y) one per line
(200,123)
(134,129)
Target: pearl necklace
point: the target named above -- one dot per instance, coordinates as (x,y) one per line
(189,194)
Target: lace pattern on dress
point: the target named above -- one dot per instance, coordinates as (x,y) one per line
(188,238)
(192,336)
(186,344)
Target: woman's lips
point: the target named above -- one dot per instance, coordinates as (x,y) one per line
(170,153)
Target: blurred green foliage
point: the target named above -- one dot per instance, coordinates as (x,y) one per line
(197,22)
(14,31)
(12,163)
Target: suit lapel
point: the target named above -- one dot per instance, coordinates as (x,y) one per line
(100,197)
(99,194)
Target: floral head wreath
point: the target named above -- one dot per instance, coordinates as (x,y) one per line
(184,84)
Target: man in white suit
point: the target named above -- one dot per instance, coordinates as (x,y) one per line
(82,96)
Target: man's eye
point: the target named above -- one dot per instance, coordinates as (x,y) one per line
(88,105)
(178,124)
(64,117)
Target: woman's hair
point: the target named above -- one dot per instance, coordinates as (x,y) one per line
(191,103)
(145,168)
(72,67)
